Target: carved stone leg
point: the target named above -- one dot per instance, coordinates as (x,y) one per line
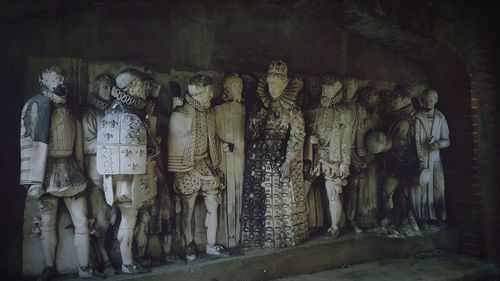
(126,233)
(77,207)
(188,202)
(389,187)
(48,210)
(141,232)
(439,199)
(333,191)
(211,203)
(102,214)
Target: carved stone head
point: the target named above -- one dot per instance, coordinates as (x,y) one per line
(400,98)
(313,86)
(330,90)
(277,78)
(131,81)
(54,80)
(369,99)
(201,89)
(429,99)
(350,87)
(233,87)
(102,86)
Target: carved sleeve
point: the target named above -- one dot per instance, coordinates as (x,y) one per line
(78,149)
(420,138)
(347,136)
(359,136)
(89,130)
(444,140)
(297,134)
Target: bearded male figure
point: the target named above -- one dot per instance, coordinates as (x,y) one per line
(331,137)
(52,165)
(125,156)
(193,156)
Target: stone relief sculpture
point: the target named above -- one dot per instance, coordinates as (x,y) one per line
(104,215)
(230,128)
(314,189)
(432,134)
(331,138)
(401,162)
(52,165)
(125,152)
(193,156)
(273,207)
(349,88)
(363,213)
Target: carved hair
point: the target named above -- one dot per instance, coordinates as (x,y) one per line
(51,69)
(428,92)
(402,91)
(330,79)
(230,80)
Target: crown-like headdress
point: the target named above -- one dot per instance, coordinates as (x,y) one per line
(278,67)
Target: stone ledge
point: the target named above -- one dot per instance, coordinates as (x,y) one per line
(319,254)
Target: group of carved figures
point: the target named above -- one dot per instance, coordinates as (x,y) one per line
(269,166)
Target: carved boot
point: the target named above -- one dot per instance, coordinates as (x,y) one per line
(88,272)
(191,252)
(134,268)
(109,270)
(48,273)
(334,231)
(216,250)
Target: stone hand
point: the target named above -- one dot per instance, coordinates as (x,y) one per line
(228,147)
(313,139)
(433,146)
(35,191)
(344,170)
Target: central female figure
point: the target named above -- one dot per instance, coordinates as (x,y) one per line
(273,214)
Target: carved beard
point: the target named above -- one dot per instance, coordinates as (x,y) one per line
(200,101)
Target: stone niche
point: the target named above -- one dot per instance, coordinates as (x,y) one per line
(82,73)
(236,38)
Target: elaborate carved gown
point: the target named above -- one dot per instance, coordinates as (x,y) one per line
(273,212)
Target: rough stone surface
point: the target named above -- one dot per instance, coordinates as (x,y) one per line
(318,254)
(431,267)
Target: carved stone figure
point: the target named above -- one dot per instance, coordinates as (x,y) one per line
(331,137)
(362,211)
(401,162)
(273,196)
(125,152)
(432,134)
(194,158)
(349,88)
(314,189)
(51,167)
(230,128)
(104,215)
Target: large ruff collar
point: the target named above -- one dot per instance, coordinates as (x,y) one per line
(53,97)
(196,104)
(286,100)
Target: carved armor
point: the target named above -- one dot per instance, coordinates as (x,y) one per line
(49,144)
(121,143)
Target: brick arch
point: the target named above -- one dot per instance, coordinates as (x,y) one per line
(465,80)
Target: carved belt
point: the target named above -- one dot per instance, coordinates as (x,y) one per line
(60,153)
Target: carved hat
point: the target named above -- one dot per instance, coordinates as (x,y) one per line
(126,77)
(278,67)
(199,81)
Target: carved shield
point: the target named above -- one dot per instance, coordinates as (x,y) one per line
(121,144)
